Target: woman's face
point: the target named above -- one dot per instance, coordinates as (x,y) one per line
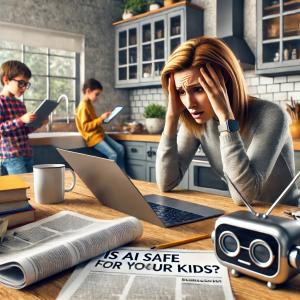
(192,95)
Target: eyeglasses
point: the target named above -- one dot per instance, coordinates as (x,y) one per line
(23,83)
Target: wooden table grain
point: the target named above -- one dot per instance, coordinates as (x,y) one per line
(81,200)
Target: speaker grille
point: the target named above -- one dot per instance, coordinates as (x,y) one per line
(258,251)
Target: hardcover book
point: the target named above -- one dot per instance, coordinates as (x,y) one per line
(12,188)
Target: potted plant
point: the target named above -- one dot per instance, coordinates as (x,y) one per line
(133,7)
(154,118)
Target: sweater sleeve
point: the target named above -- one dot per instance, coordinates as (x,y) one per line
(173,158)
(249,170)
(9,125)
(87,124)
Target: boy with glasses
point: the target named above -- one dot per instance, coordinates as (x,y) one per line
(15,152)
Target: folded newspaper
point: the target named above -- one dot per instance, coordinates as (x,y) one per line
(139,273)
(43,248)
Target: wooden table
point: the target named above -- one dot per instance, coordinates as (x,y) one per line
(81,200)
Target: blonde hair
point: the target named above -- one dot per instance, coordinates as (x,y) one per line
(198,52)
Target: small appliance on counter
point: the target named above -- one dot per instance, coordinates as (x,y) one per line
(259,245)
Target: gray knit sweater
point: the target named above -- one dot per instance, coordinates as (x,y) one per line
(260,164)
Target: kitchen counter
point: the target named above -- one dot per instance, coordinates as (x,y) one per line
(121,136)
(69,140)
(66,140)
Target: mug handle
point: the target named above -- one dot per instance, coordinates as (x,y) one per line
(71,187)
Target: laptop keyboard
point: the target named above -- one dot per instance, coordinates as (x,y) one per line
(172,216)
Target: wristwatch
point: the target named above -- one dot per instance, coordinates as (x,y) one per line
(229,126)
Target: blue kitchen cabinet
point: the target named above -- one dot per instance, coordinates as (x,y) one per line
(140,162)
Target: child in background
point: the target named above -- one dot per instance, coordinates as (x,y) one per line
(15,152)
(89,125)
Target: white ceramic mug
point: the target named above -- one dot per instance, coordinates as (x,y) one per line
(49,183)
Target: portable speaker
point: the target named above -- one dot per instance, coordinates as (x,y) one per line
(262,246)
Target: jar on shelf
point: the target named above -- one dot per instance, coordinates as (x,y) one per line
(294,54)
(276,57)
(286,54)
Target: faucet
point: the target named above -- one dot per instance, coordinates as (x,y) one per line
(63,96)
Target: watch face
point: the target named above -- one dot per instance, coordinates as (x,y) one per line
(229,126)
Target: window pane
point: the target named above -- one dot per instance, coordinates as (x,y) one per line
(147,33)
(62,66)
(132,72)
(60,86)
(10,45)
(62,53)
(132,36)
(32,105)
(147,70)
(38,89)
(271,28)
(9,55)
(123,57)
(35,49)
(122,73)
(132,55)
(175,26)
(61,111)
(122,39)
(37,63)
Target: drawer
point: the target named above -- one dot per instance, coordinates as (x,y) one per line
(135,150)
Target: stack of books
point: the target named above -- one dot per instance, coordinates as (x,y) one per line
(14,201)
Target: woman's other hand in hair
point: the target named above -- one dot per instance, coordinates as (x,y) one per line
(214,86)
(175,106)
(174,109)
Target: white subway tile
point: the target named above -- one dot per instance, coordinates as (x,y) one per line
(252,90)
(293,78)
(266,80)
(273,88)
(280,96)
(280,79)
(143,97)
(295,95)
(267,97)
(150,97)
(297,86)
(287,87)
(262,89)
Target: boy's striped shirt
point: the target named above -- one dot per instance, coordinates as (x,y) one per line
(13,132)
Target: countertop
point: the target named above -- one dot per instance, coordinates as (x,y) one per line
(82,200)
(71,140)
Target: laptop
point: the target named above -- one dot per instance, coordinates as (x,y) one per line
(114,189)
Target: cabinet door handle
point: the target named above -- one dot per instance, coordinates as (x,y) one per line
(133,150)
(149,153)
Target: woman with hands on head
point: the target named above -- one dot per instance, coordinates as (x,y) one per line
(246,140)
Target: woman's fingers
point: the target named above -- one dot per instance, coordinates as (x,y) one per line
(213,74)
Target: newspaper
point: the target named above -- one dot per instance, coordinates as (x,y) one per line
(139,273)
(43,248)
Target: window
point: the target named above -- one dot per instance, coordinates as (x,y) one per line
(54,72)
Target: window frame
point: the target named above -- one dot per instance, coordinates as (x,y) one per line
(48,76)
